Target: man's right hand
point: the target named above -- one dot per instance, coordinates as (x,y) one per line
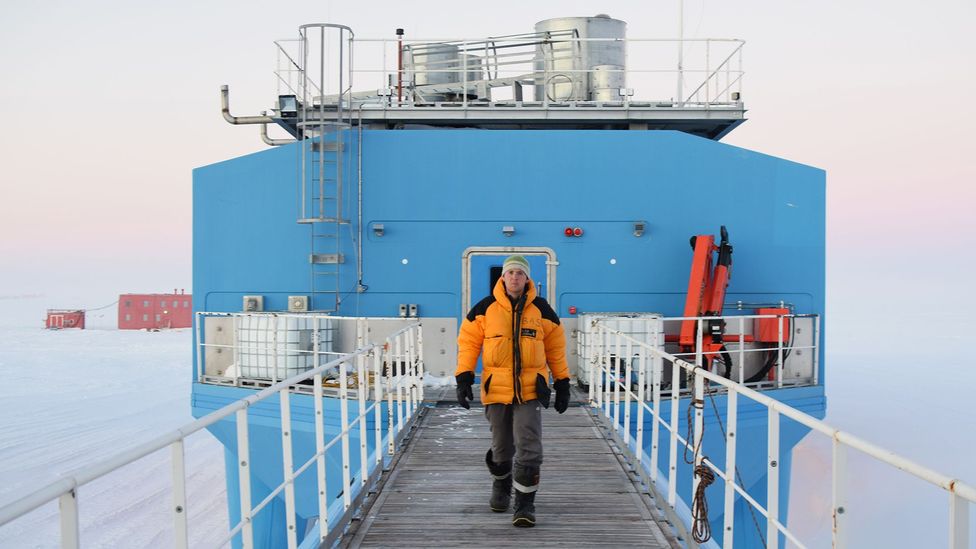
(464,382)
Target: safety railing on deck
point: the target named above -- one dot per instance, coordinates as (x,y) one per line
(397,380)
(614,397)
(536,69)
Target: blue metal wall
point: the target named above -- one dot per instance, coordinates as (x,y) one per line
(439,191)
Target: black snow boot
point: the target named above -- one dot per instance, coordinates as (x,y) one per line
(526,484)
(501,487)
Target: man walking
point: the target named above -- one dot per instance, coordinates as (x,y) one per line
(521,340)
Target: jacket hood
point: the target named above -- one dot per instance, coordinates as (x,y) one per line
(502,298)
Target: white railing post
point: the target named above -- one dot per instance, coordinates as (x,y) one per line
(274,348)
(628,368)
(816,350)
(696,442)
(742,350)
(463,61)
(344,425)
(779,353)
(411,388)
(398,371)
(420,362)
(641,394)
(617,346)
(592,358)
(606,370)
(673,447)
(320,453)
(958,522)
(839,494)
(199,328)
(180,538)
(288,469)
(708,69)
(361,394)
(390,423)
(377,409)
(68,509)
(731,421)
(244,479)
(699,341)
(772,482)
(657,374)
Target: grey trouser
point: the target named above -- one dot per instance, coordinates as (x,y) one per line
(516,432)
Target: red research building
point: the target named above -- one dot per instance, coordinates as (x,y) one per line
(155,311)
(65,318)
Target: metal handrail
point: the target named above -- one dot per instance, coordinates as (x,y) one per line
(738,339)
(608,402)
(404,343)
(520,57)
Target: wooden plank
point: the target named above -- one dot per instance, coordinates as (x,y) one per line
(438,493)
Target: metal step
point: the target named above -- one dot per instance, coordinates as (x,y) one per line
(326,259)
(326,146)
(323,220)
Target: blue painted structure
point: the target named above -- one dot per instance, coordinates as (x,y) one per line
(439,191)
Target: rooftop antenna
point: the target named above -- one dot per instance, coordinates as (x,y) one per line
(681,51)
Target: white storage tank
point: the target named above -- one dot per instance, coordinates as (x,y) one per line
(647,328)
(277,347)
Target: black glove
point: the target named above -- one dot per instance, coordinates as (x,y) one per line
(464,382)
(562,394)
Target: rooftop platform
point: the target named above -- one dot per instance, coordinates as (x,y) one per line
(710,121)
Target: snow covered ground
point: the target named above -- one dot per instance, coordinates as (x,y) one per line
(73,397)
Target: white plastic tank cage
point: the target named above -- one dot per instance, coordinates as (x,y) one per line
(278,347)
(644,327)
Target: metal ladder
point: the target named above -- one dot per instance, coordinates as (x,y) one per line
(325,141)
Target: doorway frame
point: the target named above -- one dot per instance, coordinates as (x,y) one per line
(551,265)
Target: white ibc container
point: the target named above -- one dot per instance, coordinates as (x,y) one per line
(646,328)
(278,347)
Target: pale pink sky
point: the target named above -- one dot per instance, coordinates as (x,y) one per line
(110,104)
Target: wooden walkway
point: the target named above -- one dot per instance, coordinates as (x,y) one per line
(437,493)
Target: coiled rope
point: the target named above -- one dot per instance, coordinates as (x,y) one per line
(701,528)
(721,425)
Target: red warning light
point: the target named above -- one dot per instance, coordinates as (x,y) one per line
(577,232)
(568,231)
(572,309)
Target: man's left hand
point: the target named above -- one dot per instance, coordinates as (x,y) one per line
(562,394)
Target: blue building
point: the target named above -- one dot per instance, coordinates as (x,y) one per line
(402,203)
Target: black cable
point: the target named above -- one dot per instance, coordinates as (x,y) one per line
(102,307)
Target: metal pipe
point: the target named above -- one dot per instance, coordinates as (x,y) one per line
(236,120)
(273,142)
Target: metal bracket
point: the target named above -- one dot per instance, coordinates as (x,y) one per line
(326,259)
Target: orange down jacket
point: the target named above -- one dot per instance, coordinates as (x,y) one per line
(511,374)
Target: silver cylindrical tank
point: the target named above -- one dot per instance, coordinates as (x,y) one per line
(565,63)
(433,64)
(475,65)
(422,63)
(606,81)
